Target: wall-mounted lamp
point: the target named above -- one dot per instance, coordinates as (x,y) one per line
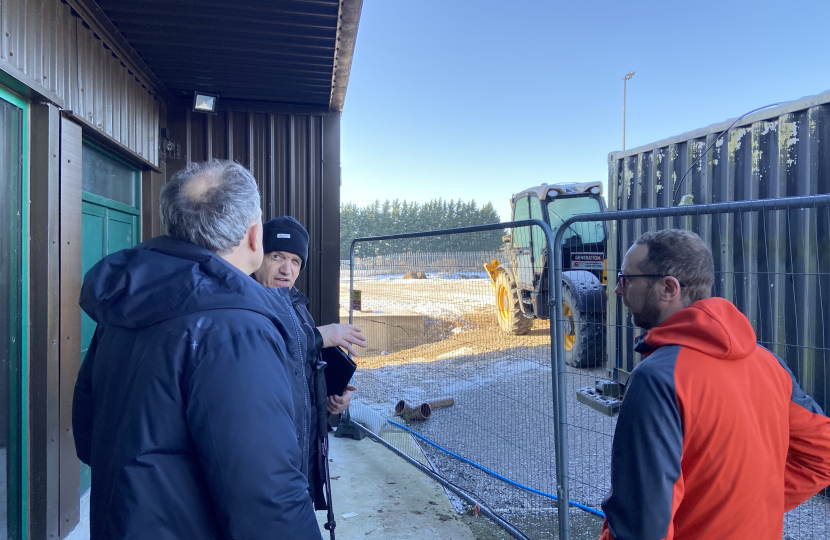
(205,103)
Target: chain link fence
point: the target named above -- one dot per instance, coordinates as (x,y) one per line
(458,380)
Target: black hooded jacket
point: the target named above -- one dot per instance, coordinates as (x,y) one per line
(192,406)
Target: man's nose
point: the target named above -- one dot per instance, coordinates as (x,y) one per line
(619,291)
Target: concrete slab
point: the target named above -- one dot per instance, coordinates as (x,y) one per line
(390,498)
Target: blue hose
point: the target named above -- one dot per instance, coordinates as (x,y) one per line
(497,475)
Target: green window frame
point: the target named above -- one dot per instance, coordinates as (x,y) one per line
(17,487)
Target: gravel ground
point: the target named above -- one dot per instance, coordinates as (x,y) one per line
(502,418)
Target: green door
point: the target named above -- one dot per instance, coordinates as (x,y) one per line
(110,223)
(105,231)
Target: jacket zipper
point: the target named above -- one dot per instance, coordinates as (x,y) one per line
(307,399)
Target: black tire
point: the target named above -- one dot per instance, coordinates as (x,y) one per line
(585,333)
(511,319)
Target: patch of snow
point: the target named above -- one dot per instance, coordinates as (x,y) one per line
(458,352)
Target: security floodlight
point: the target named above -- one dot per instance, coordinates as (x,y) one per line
(205,103)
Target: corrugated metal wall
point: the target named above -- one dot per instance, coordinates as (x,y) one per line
(46,41)
(287,154)
(48,53)
(775,267)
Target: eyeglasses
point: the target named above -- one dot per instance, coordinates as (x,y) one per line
(622,279)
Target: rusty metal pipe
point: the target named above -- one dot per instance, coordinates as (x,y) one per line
(399,407)
(424,410)
(408,412)
(440,403)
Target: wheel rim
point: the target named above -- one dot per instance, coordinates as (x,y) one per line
(504,304)
(570,337)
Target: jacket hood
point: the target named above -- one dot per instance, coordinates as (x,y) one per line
(165,278)
(713,327)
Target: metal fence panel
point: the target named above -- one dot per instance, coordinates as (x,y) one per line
(772,260)
(438,335)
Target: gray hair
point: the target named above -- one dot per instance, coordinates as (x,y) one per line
(214,212)
(683,255)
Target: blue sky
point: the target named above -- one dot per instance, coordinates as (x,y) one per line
(481,99)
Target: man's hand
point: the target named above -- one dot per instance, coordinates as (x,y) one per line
(338,404)
(344,335)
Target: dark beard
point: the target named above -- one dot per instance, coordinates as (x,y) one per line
(649,317)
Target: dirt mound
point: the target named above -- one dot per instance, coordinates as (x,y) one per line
(475,334)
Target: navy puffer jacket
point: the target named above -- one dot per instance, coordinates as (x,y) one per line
(192,405)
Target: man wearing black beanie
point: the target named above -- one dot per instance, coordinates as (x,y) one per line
(285,244)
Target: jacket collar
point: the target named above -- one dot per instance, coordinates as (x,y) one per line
(298,298)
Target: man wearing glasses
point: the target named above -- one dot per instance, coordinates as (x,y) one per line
(715,438)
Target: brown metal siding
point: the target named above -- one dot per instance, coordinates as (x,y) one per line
(44,381)
(62,56)
(329,233)
(780,152)
(285,154)
(70,317)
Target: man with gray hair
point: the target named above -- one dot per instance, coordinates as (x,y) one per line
(188,406)
(715,438)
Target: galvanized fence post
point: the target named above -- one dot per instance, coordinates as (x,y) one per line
(557,359)
(351,279)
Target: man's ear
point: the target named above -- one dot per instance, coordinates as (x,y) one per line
(671,289)
(255,237)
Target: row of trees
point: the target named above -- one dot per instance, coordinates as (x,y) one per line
(395,217)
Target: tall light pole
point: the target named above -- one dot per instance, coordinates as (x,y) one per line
(625,79)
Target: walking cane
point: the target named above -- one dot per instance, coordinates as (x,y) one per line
(330,524)
(322,433)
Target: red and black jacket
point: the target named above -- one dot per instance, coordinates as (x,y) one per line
(715,438)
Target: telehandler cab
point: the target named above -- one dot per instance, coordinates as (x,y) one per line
(521,282)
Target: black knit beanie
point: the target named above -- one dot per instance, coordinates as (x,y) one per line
(285,234)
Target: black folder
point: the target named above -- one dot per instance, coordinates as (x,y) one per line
(339,370)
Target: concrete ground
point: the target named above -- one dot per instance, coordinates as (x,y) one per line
(383,496)
(390,498)
(81,532)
